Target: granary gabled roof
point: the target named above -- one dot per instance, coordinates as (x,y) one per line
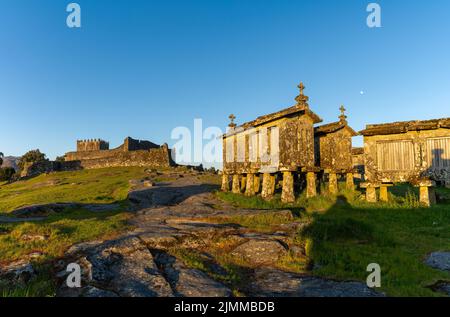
(280,114)
(335,126)
(405,126)
(300,107)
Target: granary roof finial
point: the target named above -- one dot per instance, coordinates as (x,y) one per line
(232,117)
(342,117)
(301,87)
(301,99)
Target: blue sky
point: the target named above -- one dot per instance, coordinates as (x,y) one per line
(142,68)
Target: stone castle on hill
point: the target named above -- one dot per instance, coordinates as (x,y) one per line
(96,153)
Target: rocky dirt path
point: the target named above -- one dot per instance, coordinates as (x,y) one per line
(172,215)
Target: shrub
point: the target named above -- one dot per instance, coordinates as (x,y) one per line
(32,156)
(60,159)
(6,174)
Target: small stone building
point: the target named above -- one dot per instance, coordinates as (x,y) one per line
(333,151)
(281,143)
(417,152)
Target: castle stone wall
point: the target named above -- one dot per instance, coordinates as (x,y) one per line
(152,158)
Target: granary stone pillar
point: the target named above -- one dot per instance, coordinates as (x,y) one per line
(243,183)
(371,194)
(332,183)
(257,183)
(225,182)
(349,181)
(250,185)
(427,195)
(236,187)
(268,186)
(287,194)
(311,189)
(384,195)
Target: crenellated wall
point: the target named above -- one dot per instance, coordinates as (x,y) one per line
(92,145)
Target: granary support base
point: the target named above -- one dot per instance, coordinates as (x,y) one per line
(287,194)
(384,194)
(311,189)
(225,182)
(332,183)
(250,186)
(268,186)
(371,193)
(243,183)
(236,187)
(257,183)
(427,195)
(349,181)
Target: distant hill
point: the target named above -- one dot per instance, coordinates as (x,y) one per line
(10,161)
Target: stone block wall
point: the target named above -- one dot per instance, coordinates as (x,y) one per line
(415,157)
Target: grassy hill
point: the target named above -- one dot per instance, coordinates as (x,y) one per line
(100,186)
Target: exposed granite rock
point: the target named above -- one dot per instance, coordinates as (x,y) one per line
(187,282)
(124,265)
(17,272)
(260,252)
(444,288)
(439,260)
(275,283)
(41,210)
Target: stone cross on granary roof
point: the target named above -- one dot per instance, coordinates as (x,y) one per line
(342,117)
(232,117)
(302,99)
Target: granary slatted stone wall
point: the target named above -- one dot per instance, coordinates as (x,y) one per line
(438,154)
(395,155)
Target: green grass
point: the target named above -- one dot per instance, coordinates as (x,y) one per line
(344,234)
(261,221)
(61,231)
(99,186)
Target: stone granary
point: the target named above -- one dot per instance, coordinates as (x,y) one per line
(281,145)
(417,152)
(333,151)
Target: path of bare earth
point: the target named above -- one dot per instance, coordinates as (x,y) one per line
(182,214)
